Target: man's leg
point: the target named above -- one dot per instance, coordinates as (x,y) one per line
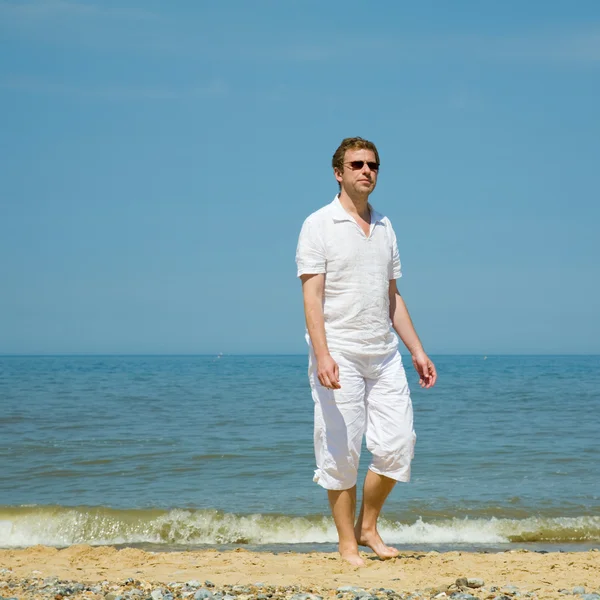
(391,440)
(339,428)
(343,508)
(375,491)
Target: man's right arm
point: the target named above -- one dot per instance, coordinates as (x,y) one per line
(312,291)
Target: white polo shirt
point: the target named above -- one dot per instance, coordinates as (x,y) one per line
(358,270)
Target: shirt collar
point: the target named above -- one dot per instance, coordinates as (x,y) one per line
(339,213)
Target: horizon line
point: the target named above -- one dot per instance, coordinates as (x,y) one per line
(213,354)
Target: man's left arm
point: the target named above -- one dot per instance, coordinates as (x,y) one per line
(404,327)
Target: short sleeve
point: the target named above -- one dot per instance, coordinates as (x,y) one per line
(310,253)
(395,266)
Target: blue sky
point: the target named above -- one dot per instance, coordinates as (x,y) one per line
(158,159)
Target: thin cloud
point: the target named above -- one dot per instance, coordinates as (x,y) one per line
(558,46)
(35,85)
(39,10)
(575,47)
(551,47)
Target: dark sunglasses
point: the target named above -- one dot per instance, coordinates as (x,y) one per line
(355,165)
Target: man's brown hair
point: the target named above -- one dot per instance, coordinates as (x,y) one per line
(353,143)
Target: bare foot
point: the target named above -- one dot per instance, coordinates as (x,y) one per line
(373,540)
(351,555)
(354,559)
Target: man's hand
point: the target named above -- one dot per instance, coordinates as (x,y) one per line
(425,368)
(328,373)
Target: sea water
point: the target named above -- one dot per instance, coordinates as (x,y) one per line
(175,452)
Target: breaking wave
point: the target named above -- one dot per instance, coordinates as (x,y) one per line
(59,526)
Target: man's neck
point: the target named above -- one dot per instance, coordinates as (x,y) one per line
(358,205)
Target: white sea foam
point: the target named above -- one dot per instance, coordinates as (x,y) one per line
(455,531)
(62,526)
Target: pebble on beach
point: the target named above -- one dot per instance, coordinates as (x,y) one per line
(52,588)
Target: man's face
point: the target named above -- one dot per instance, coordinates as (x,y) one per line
(355,180)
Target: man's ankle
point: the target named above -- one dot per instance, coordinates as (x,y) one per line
(362,529)
(348,546)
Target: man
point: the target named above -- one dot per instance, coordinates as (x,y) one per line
(348,262)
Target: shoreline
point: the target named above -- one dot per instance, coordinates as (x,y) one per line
(35,572)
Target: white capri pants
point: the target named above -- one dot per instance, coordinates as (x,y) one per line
(374,399)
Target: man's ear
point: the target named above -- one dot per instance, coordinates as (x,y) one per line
(338,174)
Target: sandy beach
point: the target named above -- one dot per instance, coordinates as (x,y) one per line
(542,575)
